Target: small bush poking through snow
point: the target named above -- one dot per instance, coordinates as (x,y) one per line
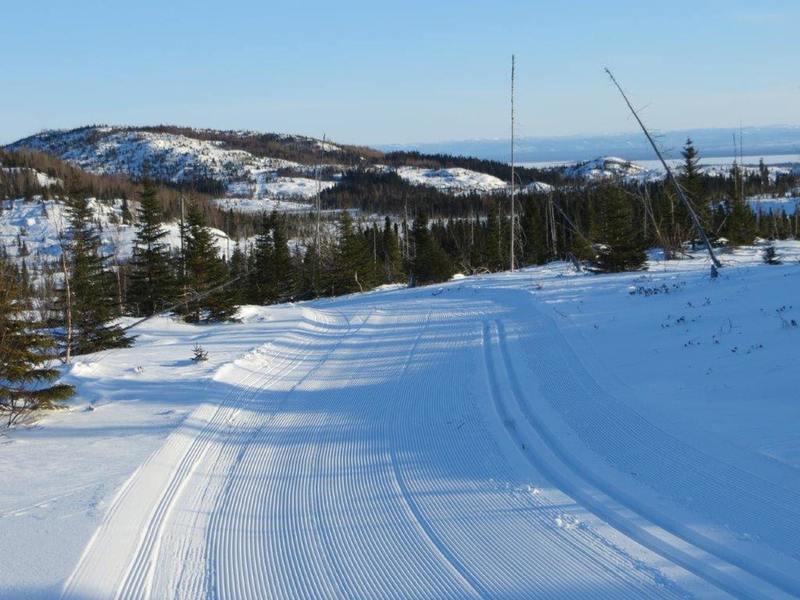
(199,353)
(770,256)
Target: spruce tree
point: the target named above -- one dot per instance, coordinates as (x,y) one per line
(259,285)
(740,226)
(495,255)
(152,280)
(622,248)
(204,270)
(91,285)
(430,263)
(392,257)
(25,353)
(238,270)
(533,234)
(692,184)
(354,269)
(282,270)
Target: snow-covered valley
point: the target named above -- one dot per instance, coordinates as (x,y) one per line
(541,432)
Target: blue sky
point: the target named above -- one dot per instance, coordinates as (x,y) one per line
(397,72)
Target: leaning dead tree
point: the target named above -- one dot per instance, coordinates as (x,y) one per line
(715,264)
(513,215)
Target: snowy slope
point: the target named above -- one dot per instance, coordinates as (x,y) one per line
(43,179)
(453,180)
(460,181)
(768,204)
(610,167)
(177,158)
(39,223)
(181,158)
(536,434)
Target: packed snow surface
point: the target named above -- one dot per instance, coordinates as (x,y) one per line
(544,433)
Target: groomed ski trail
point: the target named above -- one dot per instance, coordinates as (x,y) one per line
(386,447)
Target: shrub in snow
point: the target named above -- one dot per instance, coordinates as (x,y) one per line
(770,256)
(199,354)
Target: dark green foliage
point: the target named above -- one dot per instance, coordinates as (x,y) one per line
(770,256)
(199,354)
(354,268)
(692,184)
(391,256)
(495,241)
(91,285)
(430,264)
(152,279)
(620,245)
(237,269)
(204,272)
(740,227)
(272,274)
(25,353)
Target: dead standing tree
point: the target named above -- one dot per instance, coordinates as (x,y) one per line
(715,264)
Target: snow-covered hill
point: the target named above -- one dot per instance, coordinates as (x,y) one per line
(461,181)
(610,167)
(42,179)
(543,432)
(181,155)
(454,180)
(168,157)
(32,230)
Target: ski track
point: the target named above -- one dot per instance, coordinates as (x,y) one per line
(391,451)
(674,469)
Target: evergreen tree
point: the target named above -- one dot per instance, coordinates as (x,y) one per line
(763,175)
(692,184)
(430,264)
(25,377)
(260,290)
(205,270)
(238,270)
(152,280)
(91,285)
(273,276)
(392,257)
(495,255)
(354,269)
(622,248)
(282,268)
(740,226)
(533,235)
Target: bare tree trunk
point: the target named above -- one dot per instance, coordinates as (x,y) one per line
(67,306)
(715,264)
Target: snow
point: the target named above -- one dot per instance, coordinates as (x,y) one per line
(538,187)
(180,158)
(453,180)
(177,158)
(769,204)
(642,171)
(539,432)
(39,223)
(610,167)
(265,184)
(460,181)
(43,179)
(260,205)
